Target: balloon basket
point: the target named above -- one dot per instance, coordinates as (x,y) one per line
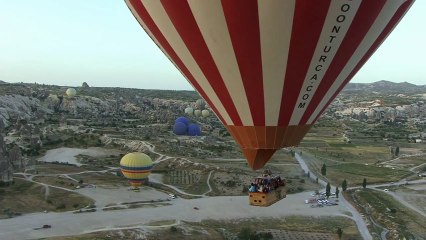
(266,190)
(261,199)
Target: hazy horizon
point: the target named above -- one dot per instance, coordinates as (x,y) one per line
(67,43)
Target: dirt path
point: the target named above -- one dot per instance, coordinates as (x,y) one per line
(402,201)
(404,156)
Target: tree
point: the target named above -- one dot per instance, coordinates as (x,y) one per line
(265,236)
(344,185)
(339,232)
(364,183)
(397,151)
(316,180)
(323,170)
(337,192)
(309,174)
(327,190)
(247,233)
(15,157)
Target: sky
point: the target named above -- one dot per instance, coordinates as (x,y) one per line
(68,42)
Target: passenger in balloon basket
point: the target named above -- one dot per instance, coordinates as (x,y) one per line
(267,184)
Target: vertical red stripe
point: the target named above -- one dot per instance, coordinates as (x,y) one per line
(386,31)
(307,26)
(182,18)
(363,20)
(146,18)
(243,24)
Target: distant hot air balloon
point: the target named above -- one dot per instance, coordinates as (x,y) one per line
(136,167)
(205,113)
(180,128)
(200,104)
(71,92)
(182,120)
(194,130)
(189,111)
(197,113)
(268,69)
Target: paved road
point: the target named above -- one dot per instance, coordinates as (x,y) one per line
(362,227)
(219,208)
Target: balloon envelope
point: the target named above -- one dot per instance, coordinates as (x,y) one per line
(189,111)
(200,104)
(205,113)
(197,113)
(194,130)
(268,69)
(182,120)
(136,167)
(180,128)
(71,92)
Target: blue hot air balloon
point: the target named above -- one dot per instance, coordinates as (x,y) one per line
(180,128)
(182,120)
(194,130)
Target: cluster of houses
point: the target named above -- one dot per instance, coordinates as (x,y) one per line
(375,111)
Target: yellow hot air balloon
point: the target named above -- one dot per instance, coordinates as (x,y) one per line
(136,167)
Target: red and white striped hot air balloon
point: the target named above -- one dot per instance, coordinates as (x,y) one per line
(268,68)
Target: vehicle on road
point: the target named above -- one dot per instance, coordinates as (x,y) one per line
(172,196)
(45,226)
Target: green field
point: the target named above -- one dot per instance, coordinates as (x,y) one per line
(194,182)
(291,223)
(355,173)
(26,197)
(230,229)
(388,212)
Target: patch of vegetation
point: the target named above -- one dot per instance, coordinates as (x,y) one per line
(26,197)
(363,170)
(388,212)
(292,223)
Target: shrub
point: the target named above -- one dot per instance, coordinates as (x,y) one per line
(61,206)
